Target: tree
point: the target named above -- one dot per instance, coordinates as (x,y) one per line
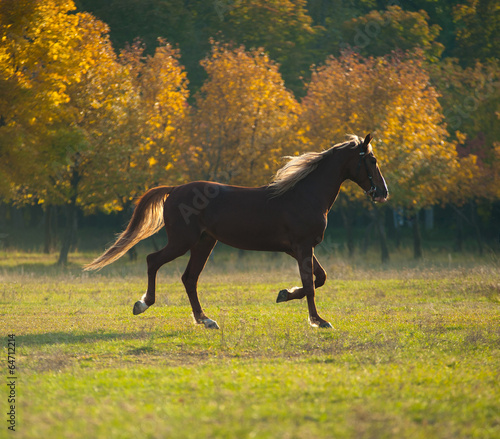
(345,96)
(478,24)
(89,143)
(35,71)
(282,27)
(241,117)
(161,88)
(188,25)
(471,101)
(380,33)
(392,98)
(68,100)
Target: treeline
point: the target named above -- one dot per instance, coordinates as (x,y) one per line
(90,116)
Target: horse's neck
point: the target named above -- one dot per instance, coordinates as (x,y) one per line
(323,184)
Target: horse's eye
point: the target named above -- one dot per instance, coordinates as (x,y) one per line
(373,160)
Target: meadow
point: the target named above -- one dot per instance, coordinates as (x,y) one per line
(414,351)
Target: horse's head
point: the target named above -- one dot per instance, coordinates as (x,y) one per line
(366,173)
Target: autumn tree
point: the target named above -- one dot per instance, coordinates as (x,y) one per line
(471,101)
(68,100)
(240,119)
(392,98)
(160,85)
(73,112)
(35,71)
(345,96)
(470,98)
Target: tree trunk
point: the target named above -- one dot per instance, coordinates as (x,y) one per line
(71,218)
(3,226)
(344,212)
(47,219)
(472,222)
(70,232)
(417,238)
(17,217)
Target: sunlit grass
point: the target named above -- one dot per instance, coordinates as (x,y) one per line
(415,351)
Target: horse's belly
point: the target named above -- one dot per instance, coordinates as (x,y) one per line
(250,240)
(249,229)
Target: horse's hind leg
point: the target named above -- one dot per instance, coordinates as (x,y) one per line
(199,255)
(298,292)
(155,260)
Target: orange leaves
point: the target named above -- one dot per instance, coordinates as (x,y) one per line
(391,98)
(125,122)
(160,86)
(70,122)
(242,114)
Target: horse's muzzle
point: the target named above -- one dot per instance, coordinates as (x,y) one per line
(380,195)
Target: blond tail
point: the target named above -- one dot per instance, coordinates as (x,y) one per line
(146,220)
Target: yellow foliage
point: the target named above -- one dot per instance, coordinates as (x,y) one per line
(123,123)
(392,99)
(112,206)
(160,85)
(243,115)
(73,122)
(152,161)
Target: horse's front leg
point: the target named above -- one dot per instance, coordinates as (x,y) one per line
(298,292)
(305,259)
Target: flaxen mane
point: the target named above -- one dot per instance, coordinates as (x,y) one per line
(301,166)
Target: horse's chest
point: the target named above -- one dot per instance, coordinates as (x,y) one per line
(307,224)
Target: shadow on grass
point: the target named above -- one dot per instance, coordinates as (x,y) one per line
(54,338)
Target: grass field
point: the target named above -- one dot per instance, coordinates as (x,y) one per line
(414,353)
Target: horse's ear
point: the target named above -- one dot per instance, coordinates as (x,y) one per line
(365,147)
(367,140)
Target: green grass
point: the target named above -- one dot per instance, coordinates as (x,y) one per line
(414,353)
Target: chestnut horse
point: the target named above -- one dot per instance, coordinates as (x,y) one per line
(289,215)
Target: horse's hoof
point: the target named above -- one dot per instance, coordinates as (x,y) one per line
(139,307)
(282,296)
(210,324)
(320,323)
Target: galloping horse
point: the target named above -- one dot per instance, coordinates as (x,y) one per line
(289,215)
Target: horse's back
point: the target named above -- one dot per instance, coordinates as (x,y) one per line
(243,217)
